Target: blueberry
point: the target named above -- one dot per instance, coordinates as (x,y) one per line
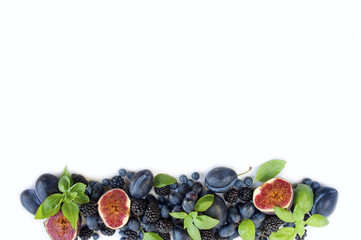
(95,236)
(190,182)
(195,176)
(193,195)
(92,222)
(175,198)
(183,188)
(248,181)
(307,181)
(162,200)
(315,185)
(130,175)
(188,205)
(197,187)
(106,182)
(173,186)
(96,191)
(122,172)
(239,183)
(183,179)
(133,224)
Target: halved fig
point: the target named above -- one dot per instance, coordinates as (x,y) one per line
(114,208)
(275,192)
(59,228)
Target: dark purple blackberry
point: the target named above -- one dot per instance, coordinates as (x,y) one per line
(231,196)
(272,224)
(245,194)
(207,235)
(79,178)
(165,236)
(152,213)
(165,226)
(105,230)
(130,235)
(85,233)
(88,209)
(138,207)
(117,182)
(162,191)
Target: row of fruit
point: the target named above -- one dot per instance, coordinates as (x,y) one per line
(143,206)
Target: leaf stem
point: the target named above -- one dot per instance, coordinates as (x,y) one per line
(250,168)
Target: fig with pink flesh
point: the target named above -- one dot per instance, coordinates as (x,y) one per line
(59,228)
(275,192)
(114,208)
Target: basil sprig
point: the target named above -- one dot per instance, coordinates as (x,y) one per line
(162,180)
(67,201)
(247,230)
(303,202)
(193,221)
(269,170)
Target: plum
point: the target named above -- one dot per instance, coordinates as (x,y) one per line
(180,234)
(30,200)
(218,210)
(141,184)
(46,185)
(234,216)
(227,230)
(221,179)
(325,201)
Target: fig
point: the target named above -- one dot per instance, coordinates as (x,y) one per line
(141,184)
(325,201)
(30,200)
(59,228)
(221,179)
(114,208)
(218,210)
(275,192)
(46,185)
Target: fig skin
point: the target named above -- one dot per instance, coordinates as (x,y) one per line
(63,230)
(325,201)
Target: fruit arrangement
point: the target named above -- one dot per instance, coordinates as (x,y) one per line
(143,206)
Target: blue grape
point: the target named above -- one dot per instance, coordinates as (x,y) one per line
(227,230)
(188,205)
(248,210)
(233,215)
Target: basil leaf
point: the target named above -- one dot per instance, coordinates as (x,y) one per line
(204,203)
(66,173)
(284,214)
(193,214)
(188,221)
(286,233)
(162,180)
(78,188)
(71,212)
(269,170)
(81,198)
(298,213)
(194,232)
(69,196)
(64,184)
(52,202)
(247,230)
(317,220)
(300,228)
(151,236)
(205,222)
(303,196)
(179,215)
(40,214)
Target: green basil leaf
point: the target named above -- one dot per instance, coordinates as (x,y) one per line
(81,198)
(179,215)
(40,214)
(194,232)
(300,228)
(69,196)
(204,203)
(193,214)
(64,184)
(188,221)
(298,213)
(269,170)
(303,196)
(317,220)
(66,173)
(205,222)
(71,212)
(284,214)
(151,236)
(78,188)
(52,202)
(247,230)
(286,233)
(162,180)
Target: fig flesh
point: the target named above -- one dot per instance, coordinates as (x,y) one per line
(114,208)
(275,192)
(59,228)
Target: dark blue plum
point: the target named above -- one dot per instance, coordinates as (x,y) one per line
(258,219)
(180,234)
(141,184)
(248,210)
(96,191)
(176,198)
(188,205)
(133,224)
(234,216)
(92,222)
(218,210)
(227,230)
(30,200)
(221,179)
(325,201)
(46,185)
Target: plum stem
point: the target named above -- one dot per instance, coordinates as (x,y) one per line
(250,168)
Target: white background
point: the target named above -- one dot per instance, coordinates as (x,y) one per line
(179,86)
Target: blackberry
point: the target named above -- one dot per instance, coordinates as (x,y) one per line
(303,237)
(164,226)
(207,235)
(117,182)
(79,178)
(152,213)
(245,194)
(88,209)
(85,233)
(272,224)
(105,230)
(231,196)
(130,235)
(138,207)
(162,191)
(165,236)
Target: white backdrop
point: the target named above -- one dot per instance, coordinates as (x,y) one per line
(179,86)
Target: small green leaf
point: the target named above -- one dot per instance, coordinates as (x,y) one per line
(284,214)
(300,228)
(303,196)
(64,184)
(66,173)
(151,236)
(247,230)
(205,222)
(286,233)
(269,170)
(298,213)
(317,220)
(193,214)
(162,180)
(179,215)
(69,196)
(78,188)
(188,221)
(52,202)
(71,212)
(194,232)
(204,203)
(40,214)
(81,198)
